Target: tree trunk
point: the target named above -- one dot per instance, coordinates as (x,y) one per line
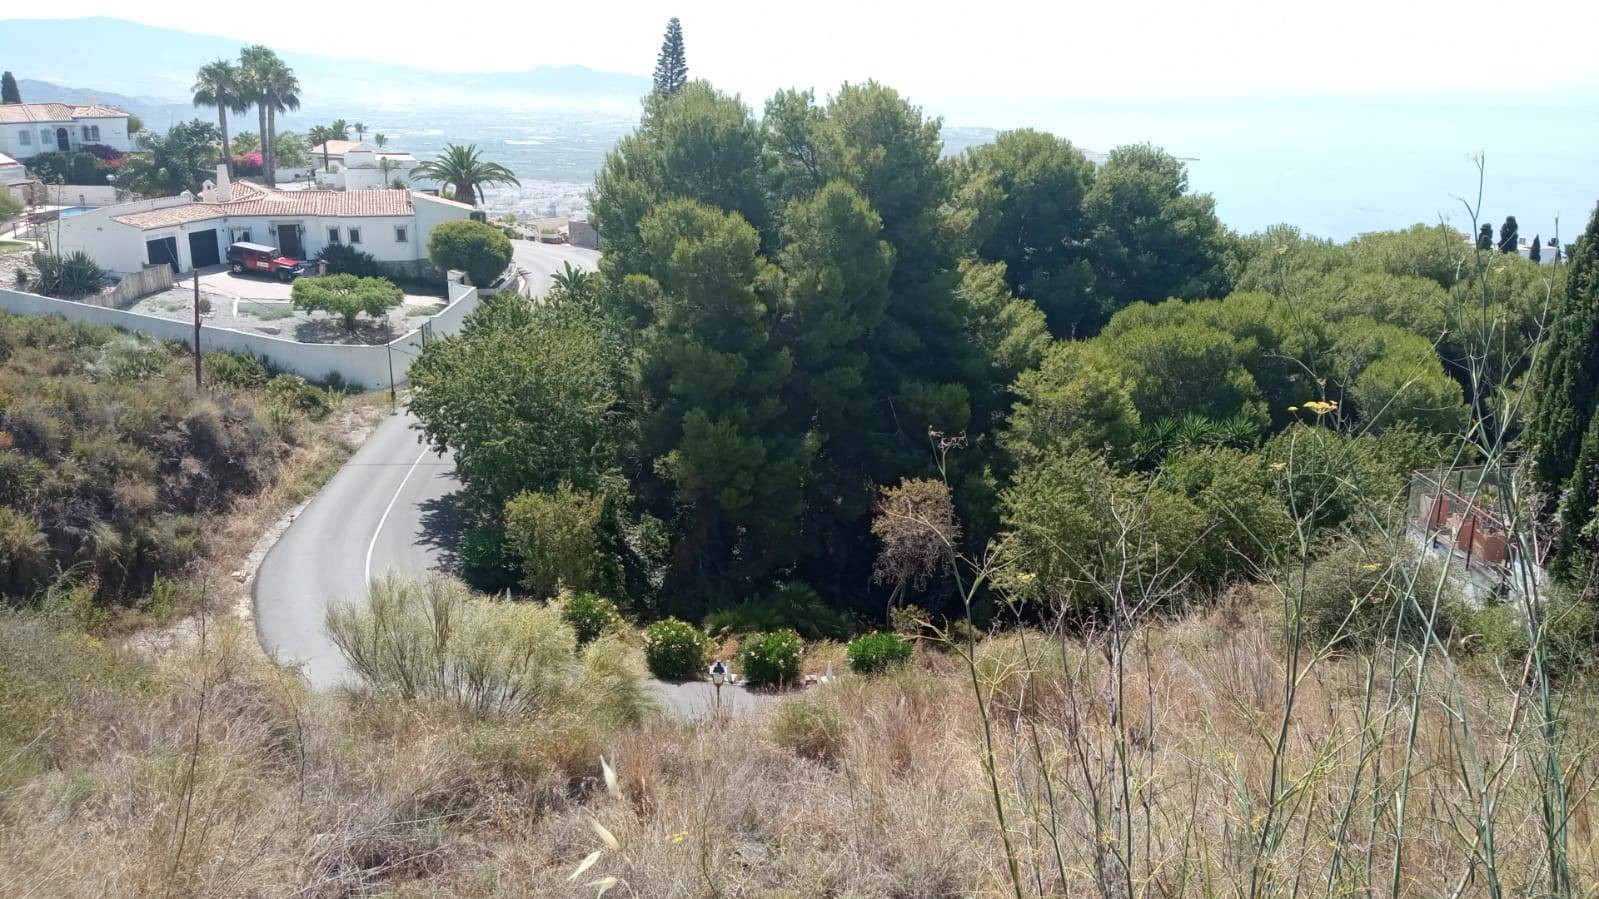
(260,110)
(227,148)
(272,136)
(466,192)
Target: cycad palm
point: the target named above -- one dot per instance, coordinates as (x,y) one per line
(219,84)
(466,170)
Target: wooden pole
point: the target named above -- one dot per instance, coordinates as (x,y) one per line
(197,384)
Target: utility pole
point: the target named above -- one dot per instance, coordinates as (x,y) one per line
(197,385)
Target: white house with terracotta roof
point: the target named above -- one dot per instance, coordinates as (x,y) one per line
(28,129)
(185,231)
(353,165)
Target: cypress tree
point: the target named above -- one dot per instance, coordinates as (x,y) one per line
(671,67)
(1508,236)
(1567,376)
(1536,253)
(8,89)
(1485,237)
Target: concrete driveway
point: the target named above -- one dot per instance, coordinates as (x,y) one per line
(218,279)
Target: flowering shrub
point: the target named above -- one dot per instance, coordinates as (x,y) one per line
(771,659)
(589,614)
(675,649)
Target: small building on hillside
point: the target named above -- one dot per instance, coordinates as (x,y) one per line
(580,233)
(28,129)
(186,231)
(352,165)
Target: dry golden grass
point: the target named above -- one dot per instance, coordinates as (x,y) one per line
(870,787)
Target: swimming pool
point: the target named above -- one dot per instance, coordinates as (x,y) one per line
(70,211)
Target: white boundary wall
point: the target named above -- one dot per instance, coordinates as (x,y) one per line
(358,366)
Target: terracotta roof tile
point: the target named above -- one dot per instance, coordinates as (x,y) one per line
(19,113)
(252,200)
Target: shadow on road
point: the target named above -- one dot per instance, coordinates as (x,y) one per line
(443,521)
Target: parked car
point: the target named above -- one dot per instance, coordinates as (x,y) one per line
(265,260)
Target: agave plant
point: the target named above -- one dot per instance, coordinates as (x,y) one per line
(67,277)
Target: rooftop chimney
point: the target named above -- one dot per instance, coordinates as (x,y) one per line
(224,189)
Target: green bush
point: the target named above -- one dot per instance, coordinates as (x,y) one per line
(1365,593)
(67,277)
(1570,631)
(675,649)
(771,659)
(909,621)
(811,726)
(343,259)
(293,393)
(477,248)
(126,358)
(346,296)
(793,605)
(226,368)
(557,537)
(588,614)
(878,652)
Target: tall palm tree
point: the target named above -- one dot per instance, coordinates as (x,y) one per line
(466,170)
(282,94)
(360,131)
(253,61)
(340,129)
(381,139)
(218,84)
(320,135)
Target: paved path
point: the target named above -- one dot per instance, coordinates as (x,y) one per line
(388,509)
(539,262)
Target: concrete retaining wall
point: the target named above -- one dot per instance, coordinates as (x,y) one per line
(358,366)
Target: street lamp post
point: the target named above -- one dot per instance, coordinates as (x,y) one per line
(719,677)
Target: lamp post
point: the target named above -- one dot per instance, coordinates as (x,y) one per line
(719,677)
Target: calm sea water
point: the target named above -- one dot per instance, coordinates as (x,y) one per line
(1334,168)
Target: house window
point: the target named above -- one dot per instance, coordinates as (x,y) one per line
(25,138)
(242,235)
(46,136)
(399,234)
(91,134)
(355,235)
(333,235)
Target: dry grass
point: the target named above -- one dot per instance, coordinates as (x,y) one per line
(871,787)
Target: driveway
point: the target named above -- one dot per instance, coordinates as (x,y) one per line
(540,262)
(389,509)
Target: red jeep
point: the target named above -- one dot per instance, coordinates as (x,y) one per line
(254,257)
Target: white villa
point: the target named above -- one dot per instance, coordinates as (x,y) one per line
(28,129)
(352,165)
(185,231)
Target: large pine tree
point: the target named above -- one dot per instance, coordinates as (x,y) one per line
(671,67)
(1509,235)
(1561,428)
(8,89)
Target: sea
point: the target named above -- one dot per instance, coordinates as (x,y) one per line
(1333,167)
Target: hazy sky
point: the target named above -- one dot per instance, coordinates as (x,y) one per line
(956,54)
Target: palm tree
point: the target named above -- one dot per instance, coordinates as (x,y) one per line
(466,170)
(340,129)
(381,139)
(272,87)
(217,84)
(319,134)
(360,131)
(387,166)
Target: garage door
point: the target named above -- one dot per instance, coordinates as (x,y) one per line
(203,248)
(164,250)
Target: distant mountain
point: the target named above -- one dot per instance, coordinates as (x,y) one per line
(151,62)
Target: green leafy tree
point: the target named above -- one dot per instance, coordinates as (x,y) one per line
(8,89)
(524,400)
(291,150)
(246,142)
(1567,379)
(168,164)
(1152,239)
(466,171)
(1509,237)
(671,67)
(346,296)
(477,248)
(1020,202)
(218,84)
(1077,399)
(556,536)
(1485,237)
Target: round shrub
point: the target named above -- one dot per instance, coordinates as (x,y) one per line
(226,368)
(675,649)
(589,615)
(772,658)
(878,652)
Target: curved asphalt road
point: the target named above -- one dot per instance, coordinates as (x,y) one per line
(390,509)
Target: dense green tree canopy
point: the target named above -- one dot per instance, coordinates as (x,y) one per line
(477,248)
(168,164)
(347,296)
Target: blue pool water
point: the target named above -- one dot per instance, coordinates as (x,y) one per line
(70,211)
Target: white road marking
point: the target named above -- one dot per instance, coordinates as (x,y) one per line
(386,510)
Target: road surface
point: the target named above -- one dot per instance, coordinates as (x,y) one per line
(539,262)
(390,509)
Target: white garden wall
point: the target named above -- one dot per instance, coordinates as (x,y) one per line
(360,366)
